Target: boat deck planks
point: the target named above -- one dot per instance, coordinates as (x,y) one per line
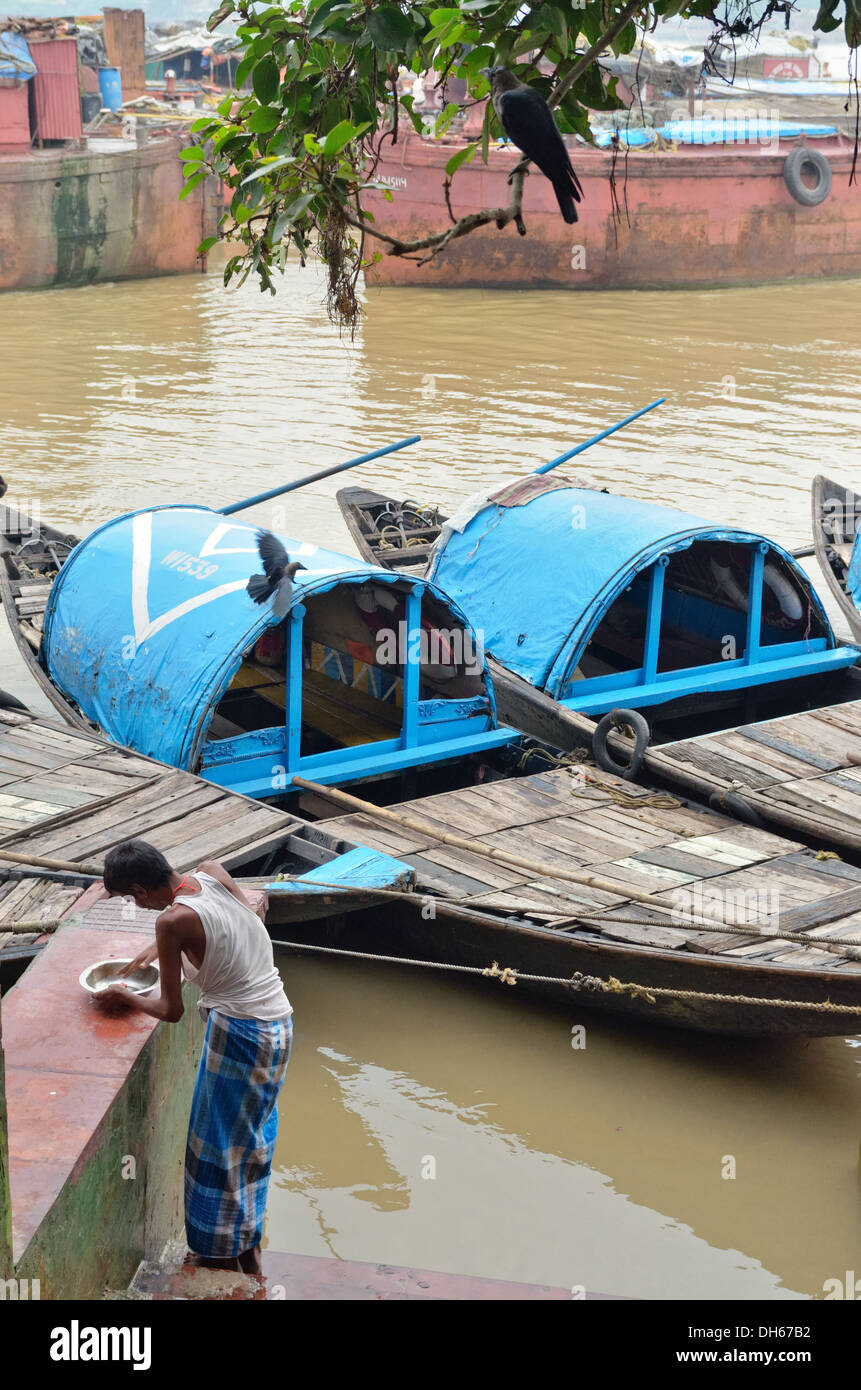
(70,796)
(554,818)
(801,772)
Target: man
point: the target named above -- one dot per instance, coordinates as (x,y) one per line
(207,931)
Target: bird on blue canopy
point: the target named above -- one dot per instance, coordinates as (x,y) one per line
(528,122)
(276,582)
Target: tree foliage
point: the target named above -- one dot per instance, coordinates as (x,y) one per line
(299,150)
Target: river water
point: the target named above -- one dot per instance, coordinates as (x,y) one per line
(426,1121)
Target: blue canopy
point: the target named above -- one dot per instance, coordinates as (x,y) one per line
(853,579)
(537,578)
(149,619)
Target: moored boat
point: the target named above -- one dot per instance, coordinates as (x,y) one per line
(550,870)
(763,209)
(836,518)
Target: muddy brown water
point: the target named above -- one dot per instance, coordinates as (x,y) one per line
(425,1120)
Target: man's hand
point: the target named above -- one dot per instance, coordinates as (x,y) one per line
(146,957)
(116,998)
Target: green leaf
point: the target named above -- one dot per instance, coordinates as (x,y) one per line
(268,168)
(197,177)
(341,136)
(207,245)
(266,81)
(389,28)
(826,20)
(220,15)
(852,23)
(322,15)
(192,154)
(312,144)
(462,157)
(289,215)
(264,119)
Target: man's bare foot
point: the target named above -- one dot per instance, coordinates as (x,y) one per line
(250,1262)
(204,1262)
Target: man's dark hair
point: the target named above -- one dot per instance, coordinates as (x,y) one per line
(135,862)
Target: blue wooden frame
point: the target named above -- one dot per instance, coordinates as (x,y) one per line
(263,763)
(646,685)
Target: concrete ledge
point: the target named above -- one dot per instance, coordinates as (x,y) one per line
(97,1113)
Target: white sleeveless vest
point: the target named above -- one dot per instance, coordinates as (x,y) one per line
(238,976)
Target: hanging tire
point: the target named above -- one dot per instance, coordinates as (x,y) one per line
(614,721)
(731,804)
(8,701)
(800,159)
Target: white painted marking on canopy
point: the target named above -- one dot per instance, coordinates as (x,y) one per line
(146,627)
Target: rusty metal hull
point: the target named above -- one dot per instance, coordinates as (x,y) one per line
(693,216)
(72,217)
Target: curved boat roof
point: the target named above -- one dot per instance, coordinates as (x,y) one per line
(148,621)
(536,577)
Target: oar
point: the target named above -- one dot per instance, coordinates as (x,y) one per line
(315,477)
(596,438)
(803,552)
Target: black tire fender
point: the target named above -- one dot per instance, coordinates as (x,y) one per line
(616,720)
(8,701)
(804,158)
(731,804)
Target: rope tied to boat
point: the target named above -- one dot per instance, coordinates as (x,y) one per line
(577,757)
(505,975)
(578,981)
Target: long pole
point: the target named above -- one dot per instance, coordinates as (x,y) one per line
(315,477)
(596,438)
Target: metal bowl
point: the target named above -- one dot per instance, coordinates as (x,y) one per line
(110,972)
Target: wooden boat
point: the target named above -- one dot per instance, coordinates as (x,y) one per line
(651,891)
(836,518)
(634,645)
(546,923)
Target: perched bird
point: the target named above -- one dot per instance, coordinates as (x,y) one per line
(277,577)
(528,122)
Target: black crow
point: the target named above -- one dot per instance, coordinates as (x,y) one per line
(528,122)
(277,577)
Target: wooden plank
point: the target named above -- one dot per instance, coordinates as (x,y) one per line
(486,871)
(771,740)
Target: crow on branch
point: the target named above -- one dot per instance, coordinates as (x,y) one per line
(528,122)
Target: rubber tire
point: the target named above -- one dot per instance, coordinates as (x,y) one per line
(795,162)
(731,804)
(601,753)
(8,701)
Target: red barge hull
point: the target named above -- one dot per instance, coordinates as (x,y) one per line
(691,216)
(75,217)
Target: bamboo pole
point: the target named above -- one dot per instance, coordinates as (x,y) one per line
(62,865)
(502,856)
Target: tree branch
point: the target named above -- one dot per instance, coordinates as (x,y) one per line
(438,241)
(597,48)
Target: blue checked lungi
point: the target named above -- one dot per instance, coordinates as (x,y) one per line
(232,1131)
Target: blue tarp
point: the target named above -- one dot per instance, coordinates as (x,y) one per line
(148,621)
(15,58)
(537,579)
(853,579)
(733,130)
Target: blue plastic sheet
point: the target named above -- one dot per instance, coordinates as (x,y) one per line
(537,579)
(149,619)
(15,57)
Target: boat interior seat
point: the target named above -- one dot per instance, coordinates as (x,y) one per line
(345,714)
